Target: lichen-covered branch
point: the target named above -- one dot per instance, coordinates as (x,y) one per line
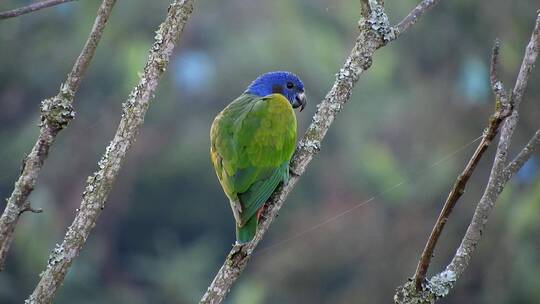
(440,284)
(375,32)
(56,112)
(31,8)
(99,184)
(502,110)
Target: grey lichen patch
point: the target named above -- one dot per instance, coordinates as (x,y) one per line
(335,107)
(312,146)
(437,287)
(378,23)
(407,294)
(158,38)
(131,101)
(105,158)
(441,284)
(58,110)
(57,255)
(30,300)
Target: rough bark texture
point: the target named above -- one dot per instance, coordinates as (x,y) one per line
(99,184)
(375,32)
(442,283)
(31,8)
(56,112)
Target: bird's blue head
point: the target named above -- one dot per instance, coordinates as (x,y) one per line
(285,83)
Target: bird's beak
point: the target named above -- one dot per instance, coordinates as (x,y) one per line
(300,101)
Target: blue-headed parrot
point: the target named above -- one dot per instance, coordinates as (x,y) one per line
(252,142)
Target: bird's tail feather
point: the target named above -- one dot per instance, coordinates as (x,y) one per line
(247,232)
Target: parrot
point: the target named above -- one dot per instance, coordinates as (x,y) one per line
(252,143)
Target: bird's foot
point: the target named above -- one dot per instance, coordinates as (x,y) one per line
(293,172)
(260,213)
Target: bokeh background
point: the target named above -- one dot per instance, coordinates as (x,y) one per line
(167,225)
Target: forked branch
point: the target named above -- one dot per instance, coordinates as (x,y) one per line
(442,283)
(502,110)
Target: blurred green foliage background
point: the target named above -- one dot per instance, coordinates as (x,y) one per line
(167,225)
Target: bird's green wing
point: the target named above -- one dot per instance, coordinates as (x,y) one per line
(262,189)
(253,140)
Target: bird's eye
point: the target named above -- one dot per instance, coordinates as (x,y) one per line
(290,85)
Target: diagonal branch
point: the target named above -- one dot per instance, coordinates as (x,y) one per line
(99,184)
(414,16)
(56,112)
(502,110)
(523,156)
(31,8)
(375,33)
(442,283)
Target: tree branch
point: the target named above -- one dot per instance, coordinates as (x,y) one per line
(442,283)
(496,84)
(99,184)
(31,8)
(56,113)
(414,15)
(523,156)
(375,32)
(502,110)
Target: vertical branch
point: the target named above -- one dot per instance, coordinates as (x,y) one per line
(99,184)
(56,112)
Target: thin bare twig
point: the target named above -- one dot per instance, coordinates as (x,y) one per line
(31,8)
(27,207)
(375,32)
(99,184)
(502,110)
(56,113)
(442,283)
(496,84)
(523,156)
(414,16)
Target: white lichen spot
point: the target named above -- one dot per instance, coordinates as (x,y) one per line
(335,107)
(460,252)
(57,255)
(312,146)
(378,22)
(441,283)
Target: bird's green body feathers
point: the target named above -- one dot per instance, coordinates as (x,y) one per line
(252,142)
